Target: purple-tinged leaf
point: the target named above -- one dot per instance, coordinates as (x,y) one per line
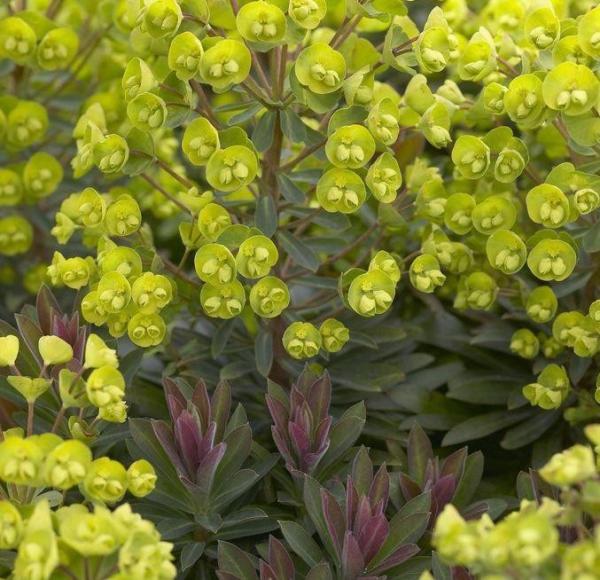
(278,412)
(234,561)
(201,402)
(351,501)
(408,487)
(300,442)
(207,441)
(362,471)
(321,438)
(334,519)
(205,473)
(372,536)
(379,492)
(441,493)
(362,515)
(320,572)
(419,452)
(221,408)
(455,463)
(267,573)
(46,307)
(280,560)
(164,434)
(319,397)
(188,437)
(353,562)
(301,542)
(239,443)
(400,556)
(175,400)
(282,447)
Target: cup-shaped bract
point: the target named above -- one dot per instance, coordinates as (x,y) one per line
(524,101)
(302,340)
(256,256)
(494,213)
(151,292)
(525,343)
(334,334)
(11,188)
(384,262)
(570,88)
(147,112)
(511,161)
(105,481)
(18,40)
(383,122)
(550,389)
(307,13)
(541,304)
(41,175)
(9,350)
(225,64)
(162,18)
(11,526)
(21,461)
(341,190)
(320,68)
(480,290)
(261,22)
(111,153)
(384,178)
(213,219)
(224,301)
(113,292)
(16,235)
(66,465)
(547,205)
(146,330)
(371,293)
(121,259)
(478,58)
(506,251)
(141,478)
(471,156)
(588,26)
(231,168)
(350,147)
(457,213)
(123,216)
(493,98)
(425,273)
(200,141)
(74,272)
(185,55)
(137,78)
(542,27)
(552,260)
(586,200)
(215,264)
(57,48)
(269,297)
(27,124)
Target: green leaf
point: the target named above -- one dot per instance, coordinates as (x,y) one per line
(301,542)
(470,480)
(483,425)
(299,251)
(266,215)
(591,240)
(263,352)
(296,130)
(236,561)
(263,133)
(235,370)
(221,337)
(419,453)
(289,190)
(191,554)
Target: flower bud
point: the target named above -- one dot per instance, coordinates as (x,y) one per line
(97,354)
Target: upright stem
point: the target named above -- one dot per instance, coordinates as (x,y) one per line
(30,414)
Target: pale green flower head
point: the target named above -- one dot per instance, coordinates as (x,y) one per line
(71,272)
(57,48)
(16,235)
(506,251)
(478,57)
(269,297)
(384,178)
(121,259)
(334,334)
(550,389)
(141,478)
(27,124)
(261,22)
(541,304)
(302,340)
(224,301)
(151,292)
(570,88)
(231,168)
(320,68)
(382,123)
(572,466)
(471,156)
(42,175)
(341,190)
(371,293)
(113,292)
(350,147)
(66,465)
(11,188)
(105,481)
(9,350)
(457,213)
(20,461)
(493,98)
(492,214)
(11,526)
(215,264)
(307,13)
(542,27)
(137,78)
(578,332)
(98,354)
(145,330)
(256,256)
(185,55)
(425,273)
(123,216)
(524,101)
(162,18)
(200,141)
(586,200)
(86,208)
(144,556)
(225,64)
(18,40)
(480,291)
(111,153)
(384,262)
(588,27)
(525,343)
(147,112)
(552,260)
(104,386)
